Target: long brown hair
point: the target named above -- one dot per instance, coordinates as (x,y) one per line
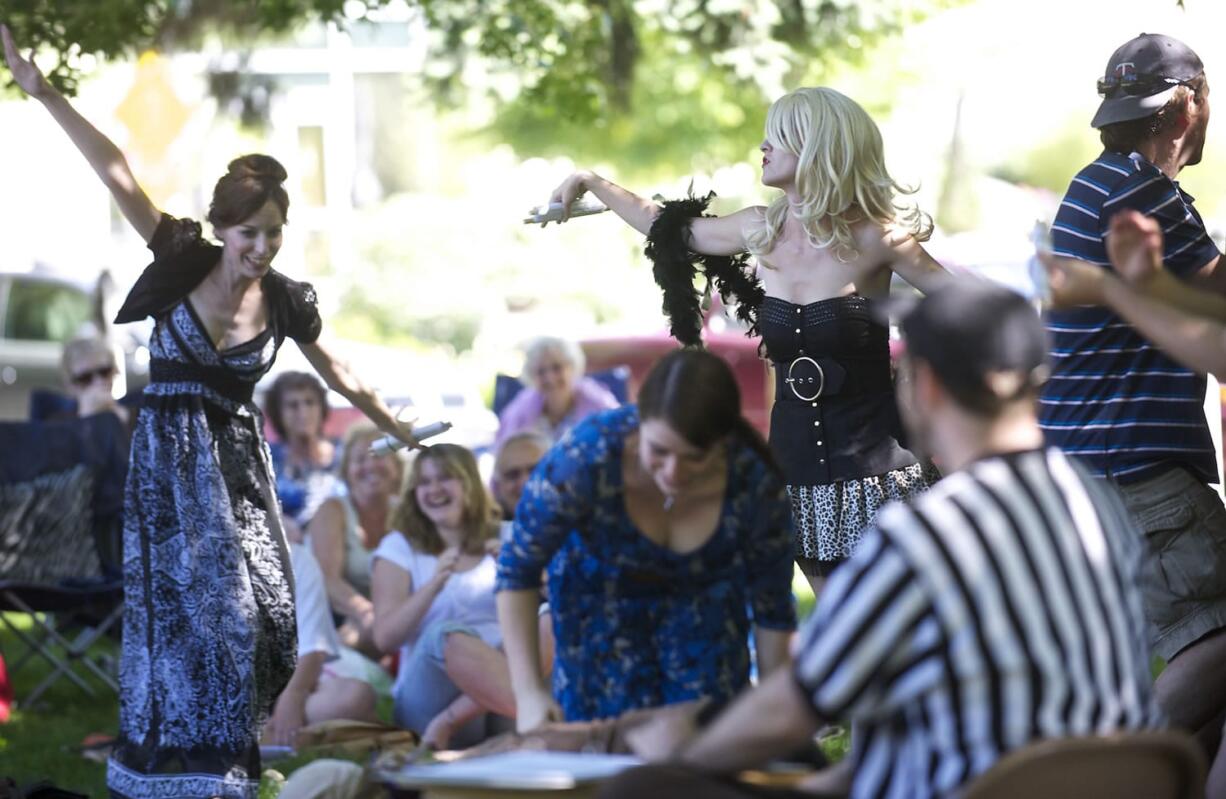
(479,517)
(696,393)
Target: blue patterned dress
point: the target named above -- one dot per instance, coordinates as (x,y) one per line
(209,637)
(637,624)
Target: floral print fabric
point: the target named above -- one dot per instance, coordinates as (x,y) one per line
(209,634)
(637,624)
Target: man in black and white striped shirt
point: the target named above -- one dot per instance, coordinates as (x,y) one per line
(999,608)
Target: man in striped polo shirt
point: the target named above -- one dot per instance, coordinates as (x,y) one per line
(999,608)
(1129,412)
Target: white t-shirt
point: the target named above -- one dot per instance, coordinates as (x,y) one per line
(316,633)
(467,597)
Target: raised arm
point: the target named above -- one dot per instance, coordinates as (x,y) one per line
(717,235)
(1135,248)
(1197,342)
(341,378)
(101,153)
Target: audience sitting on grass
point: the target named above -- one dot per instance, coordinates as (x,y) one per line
(667,535)
(1000,608)
(434,601)
(557,395)
(517,456)
(348,527)
(305,462)
(312,694)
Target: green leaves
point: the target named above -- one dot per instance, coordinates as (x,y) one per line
(645,82)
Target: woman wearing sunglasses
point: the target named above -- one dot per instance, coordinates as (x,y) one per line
(89,375)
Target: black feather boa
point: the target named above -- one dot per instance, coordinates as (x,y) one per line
(675,265)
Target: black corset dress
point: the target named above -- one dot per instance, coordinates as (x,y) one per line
(834,426)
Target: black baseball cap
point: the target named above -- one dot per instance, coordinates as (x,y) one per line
(985,342)
(1142,75)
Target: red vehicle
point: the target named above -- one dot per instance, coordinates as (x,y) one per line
(640,353)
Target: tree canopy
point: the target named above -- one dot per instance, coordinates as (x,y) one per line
(547,63)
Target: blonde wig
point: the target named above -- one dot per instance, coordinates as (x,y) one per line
(840,174)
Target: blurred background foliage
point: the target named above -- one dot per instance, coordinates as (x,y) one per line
(645,82)
(509,95)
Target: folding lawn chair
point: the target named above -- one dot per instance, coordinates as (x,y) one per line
(61,504)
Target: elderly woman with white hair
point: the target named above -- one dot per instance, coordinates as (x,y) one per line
(558,396)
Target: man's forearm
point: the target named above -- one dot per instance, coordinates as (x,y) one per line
(1198,343)
(766,722)
(1202,296)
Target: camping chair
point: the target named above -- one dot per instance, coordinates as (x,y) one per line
(1149,764)
(61,503)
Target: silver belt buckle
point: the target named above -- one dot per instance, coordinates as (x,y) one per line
(793,382)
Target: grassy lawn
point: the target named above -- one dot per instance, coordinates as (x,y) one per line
(41,743)
(38,743)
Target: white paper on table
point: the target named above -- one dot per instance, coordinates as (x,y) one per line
(556,771)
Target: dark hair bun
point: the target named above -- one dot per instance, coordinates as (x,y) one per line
(250,182)
(258,166)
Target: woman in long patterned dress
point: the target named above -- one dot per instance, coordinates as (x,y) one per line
(209,629)
(826,247)
(667,535)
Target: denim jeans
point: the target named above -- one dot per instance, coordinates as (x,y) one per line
(423,689)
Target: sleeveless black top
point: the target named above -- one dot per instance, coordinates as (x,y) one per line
(835,417)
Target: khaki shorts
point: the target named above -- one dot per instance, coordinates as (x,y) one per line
(1184,524)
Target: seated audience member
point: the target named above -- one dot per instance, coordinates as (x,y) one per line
(517,456)
(557,395)
(89,370)
(349,526)
(311,695)
(434,600)
(1000,608)
(667,534)
(304,461)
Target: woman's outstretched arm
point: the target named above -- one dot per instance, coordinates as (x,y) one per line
(101,153)
(340,377)
(716,235)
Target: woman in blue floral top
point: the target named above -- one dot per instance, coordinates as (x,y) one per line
(667,534)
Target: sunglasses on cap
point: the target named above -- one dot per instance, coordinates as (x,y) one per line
(1134,85)
(83,379)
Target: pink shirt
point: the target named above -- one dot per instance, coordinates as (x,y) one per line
(527,411)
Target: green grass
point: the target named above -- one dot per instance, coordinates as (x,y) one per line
(40,743)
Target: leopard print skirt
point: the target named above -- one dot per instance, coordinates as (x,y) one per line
(830,519)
